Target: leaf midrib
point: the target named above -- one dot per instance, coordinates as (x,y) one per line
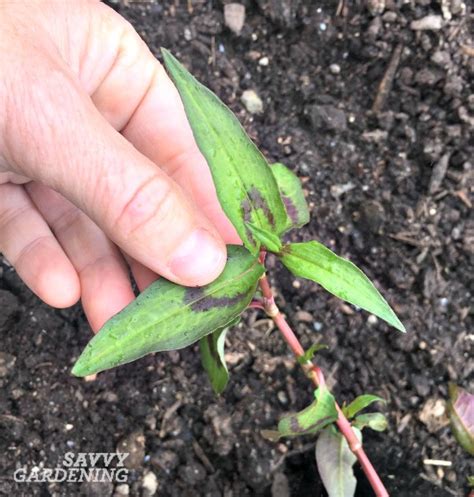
(223,145)
(181,309)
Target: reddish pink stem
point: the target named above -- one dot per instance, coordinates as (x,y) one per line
(256,304)
(317,377)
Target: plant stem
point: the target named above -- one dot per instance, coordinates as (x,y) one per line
(316,375)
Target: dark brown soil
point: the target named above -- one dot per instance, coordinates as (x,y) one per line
(391,189)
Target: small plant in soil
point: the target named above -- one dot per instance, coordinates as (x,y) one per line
(263,202)
(461,418)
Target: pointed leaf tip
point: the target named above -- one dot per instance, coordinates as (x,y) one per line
(245,185)
(359,403)
(342,278)
(212,357)
(167,316)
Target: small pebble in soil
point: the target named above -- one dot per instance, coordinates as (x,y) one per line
(335,68)
(317,326)
(234,17)
(372,320)
(427,23)
(327,117)
(264,61)
(149,484)
(122,490)
(282,397)
(433,414)
(252,102)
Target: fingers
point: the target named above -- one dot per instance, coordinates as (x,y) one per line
(104,280)
(28,244)
(138,98)
(58,137)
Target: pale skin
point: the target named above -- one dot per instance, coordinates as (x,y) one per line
(99,171)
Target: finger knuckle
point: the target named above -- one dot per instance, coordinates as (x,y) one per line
(152,204)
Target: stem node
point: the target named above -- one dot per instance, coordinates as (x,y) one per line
(317,377)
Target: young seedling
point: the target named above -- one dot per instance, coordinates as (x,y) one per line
(460,407)
(263,202)
(461,417)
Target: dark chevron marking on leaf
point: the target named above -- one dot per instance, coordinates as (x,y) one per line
(320,413)
(200,302)
(260,203)
(167,316)
(292,195)
(290,207)
(301,430)
(245,185)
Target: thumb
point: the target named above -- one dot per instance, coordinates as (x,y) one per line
(57,137)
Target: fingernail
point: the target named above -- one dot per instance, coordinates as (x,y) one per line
(199,259)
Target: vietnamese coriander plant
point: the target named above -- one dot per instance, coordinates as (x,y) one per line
(263,202)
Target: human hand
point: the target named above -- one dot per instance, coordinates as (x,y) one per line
(99,170)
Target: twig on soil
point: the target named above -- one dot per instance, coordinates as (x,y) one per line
(317,377)
(167,415)
(202,456)
(386,84)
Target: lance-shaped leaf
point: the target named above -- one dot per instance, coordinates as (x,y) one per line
(212,358)
(374,420)
(359,403)
(335,461)
(292,195)
(268,240)
(244,182)
(461,417)
(316,416)
(338,276)
(167,316)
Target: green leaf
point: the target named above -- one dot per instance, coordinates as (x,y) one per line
(213,361)
(374,420)
(338,276)
(461,417)
(309,354)
(292,195)
(316,416)
(167,316)
(270,241)
(470,481)
(244,182)
(359,403)
(335,463)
